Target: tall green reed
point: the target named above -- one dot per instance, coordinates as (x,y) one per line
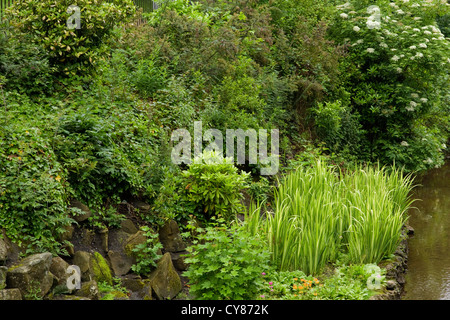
(319,211)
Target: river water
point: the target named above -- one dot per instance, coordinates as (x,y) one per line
(428,275)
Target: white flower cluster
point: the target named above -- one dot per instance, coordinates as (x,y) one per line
(373,24)
(412,106)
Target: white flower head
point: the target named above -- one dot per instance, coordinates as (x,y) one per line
(400,11)
(373,24)
(413,47)
(343,15)
(424,100)
(383,45)
(395,58)
(412,106)
(419,55)
(356,28)
(435,30)
(415,95)
(404,144)
(370,50)
(399,70)
(423,45)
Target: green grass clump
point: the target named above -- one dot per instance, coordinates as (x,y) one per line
(319,211)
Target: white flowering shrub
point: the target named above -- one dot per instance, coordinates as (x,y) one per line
(396,76)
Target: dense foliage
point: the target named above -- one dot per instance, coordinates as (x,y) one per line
(87,113)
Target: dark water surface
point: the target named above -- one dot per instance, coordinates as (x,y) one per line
(428,276)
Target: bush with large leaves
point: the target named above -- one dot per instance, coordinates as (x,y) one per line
(71,50)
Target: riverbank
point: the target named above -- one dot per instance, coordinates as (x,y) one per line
(428,275)
(396,269)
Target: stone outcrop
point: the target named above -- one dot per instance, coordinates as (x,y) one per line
(3,271)
(93,266)
(140,289)
(165,281)
(9,251)
(58,268)
(100,256)
(120,262)
(31,276)
(170,237)
(10,294)
(83,211)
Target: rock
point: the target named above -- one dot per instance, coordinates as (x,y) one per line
(9,251)
(178,260)
(170,237)
(143,207)
(83,259)
(409,230)
(67,234)
(100,269)
(128,226)
(84,212)
(117,239)
(4,249)
(120,262)
(87,237)
(391,284)
(69,247)
(93,266)
(133,240)
(10,294)
(165,281)
(31,276)
(3,277)
(104,239)
(140,289)
(58,268)
(89,290)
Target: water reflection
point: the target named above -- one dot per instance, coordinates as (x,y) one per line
(428,276)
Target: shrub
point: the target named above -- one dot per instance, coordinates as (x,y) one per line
(395,71)
(149,77)
(33,201)
(108,151)
(214,184)
(70,50)
(25,65)
(226,264)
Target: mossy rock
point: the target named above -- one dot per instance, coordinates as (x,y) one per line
(134,240)
(100,268)
(115,295)
(89,290)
